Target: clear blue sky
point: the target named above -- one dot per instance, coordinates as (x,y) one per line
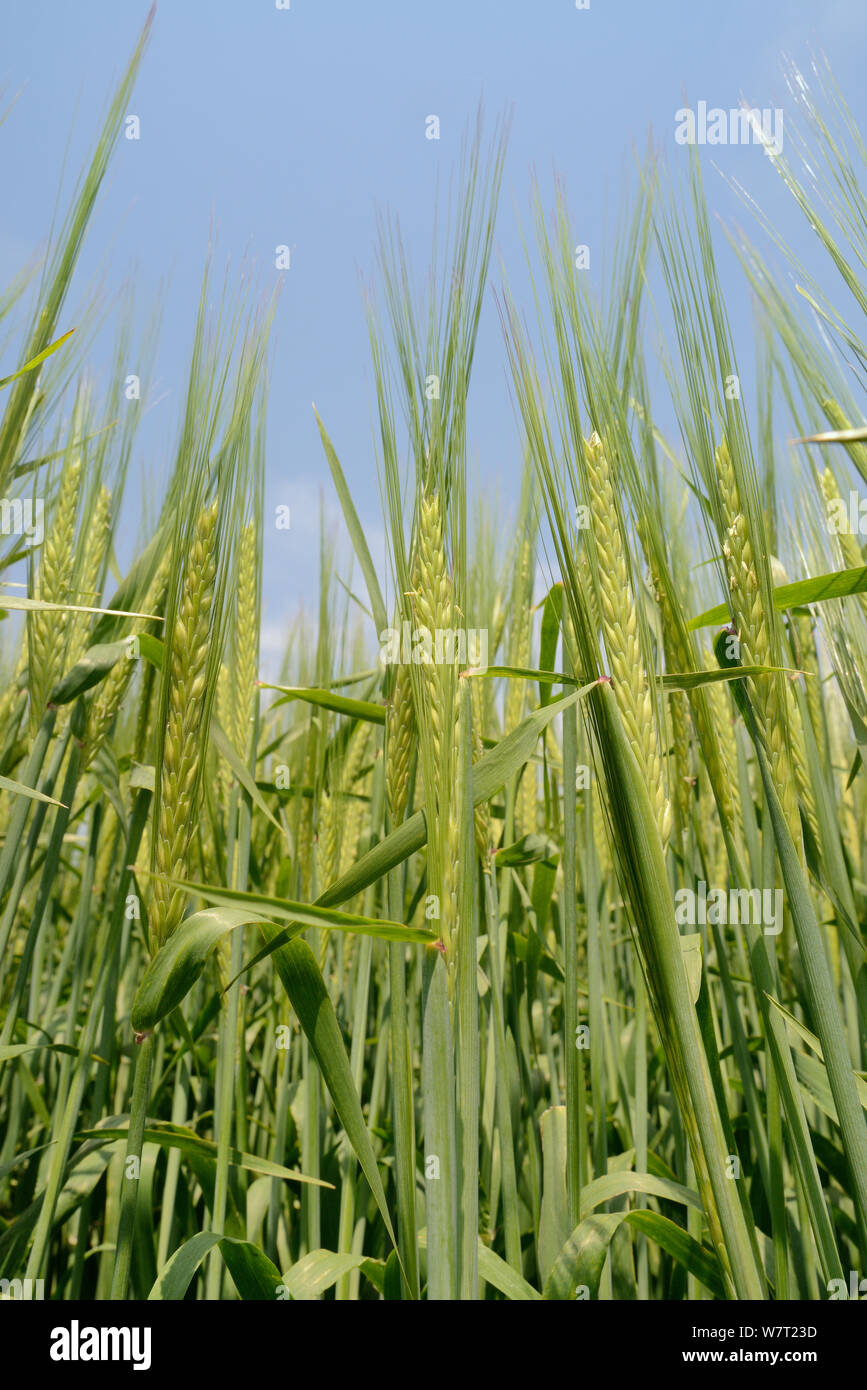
(293,126)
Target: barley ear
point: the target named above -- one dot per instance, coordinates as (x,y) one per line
(183,749)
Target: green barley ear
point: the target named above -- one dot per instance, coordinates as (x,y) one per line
(753,635)
(327,857)
(526,809)
(434,610)
(353,817)
(850,548)
(433,604)
(224,710)
(111,693)
(183,746)
(47,631)
(245,672)
(400,727)
(620,629)
(96,544)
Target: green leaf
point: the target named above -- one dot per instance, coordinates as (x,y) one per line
(174,1278)
(837,584)
(355,529)
(151,648)
(254,1275)
(39,358)
(172,1136)
(687,680)
(134,586)
(224,747)
(612,1185)
(19,789)
(177,965)
(327,699)
(303,983)
(681,1246)
(494,1270)
(13,1163)
(691,947)
(693,680)
(549,636)
(582,1259)
(10,1051)
(143,775)
(852,436)
(89,671)
(38,605)
(317,1271)
(530,849)
(490,774)
(554,1213)
(813,1042)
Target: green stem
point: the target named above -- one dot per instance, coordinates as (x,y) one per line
(468,1056)
(132,1167)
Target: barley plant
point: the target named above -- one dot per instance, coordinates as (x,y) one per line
(509,944)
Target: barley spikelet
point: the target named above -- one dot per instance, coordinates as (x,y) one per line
(304,831)
(434,609)
(799,762)
(433,598)
(246,673)
(98,535)
(400,722)
(723,771)
(850,548)
(14,697)
(110,694)
(809,662)
(47,631)
(526,808)
(753,635)
(327,858)
(620,628)
(183,742)
(353,816)
(676,659)
(225,718)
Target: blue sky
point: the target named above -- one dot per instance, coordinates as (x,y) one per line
(293,126)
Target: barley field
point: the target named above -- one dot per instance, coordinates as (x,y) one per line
(509,943)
